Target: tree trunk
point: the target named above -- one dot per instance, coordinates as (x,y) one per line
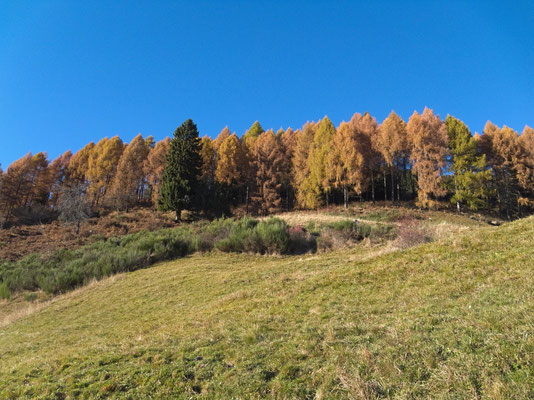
(178,216)
(346,197)
(392,185)
(385,187)
(373,186)
(77,228)
(404,168)
(246,202)
(456,193)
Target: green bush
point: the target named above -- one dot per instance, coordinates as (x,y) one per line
(273,236)
(5,293)
(359,230)
(250,236)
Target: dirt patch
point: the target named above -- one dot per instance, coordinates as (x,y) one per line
(20,241)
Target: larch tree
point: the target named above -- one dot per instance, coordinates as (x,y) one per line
(60,175)
(429,142)
(248,167)
(526,173)
(318,161)
(229,159)
(154,166)
(269,159)
(26,182)
(79,164)
(366,129)
(16,185)
(345,161)
(471,178)
(393,144)
(503,152)
(221,137)
(129,181)
(182,171)
(288,141)
(254,131)
(306,197)
(41,181)
(150,142)
(207,171)
(102,166)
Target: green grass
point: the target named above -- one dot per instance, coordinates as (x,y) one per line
(66,269)
(444,320)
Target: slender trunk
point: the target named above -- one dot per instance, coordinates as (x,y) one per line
(392,185)
(178,216)
(373,186)
(456,192)
(346,197)
(385,187)
(246,202)
(77,227)
(404,168)
(287,198)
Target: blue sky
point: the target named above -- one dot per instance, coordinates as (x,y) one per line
(73,72)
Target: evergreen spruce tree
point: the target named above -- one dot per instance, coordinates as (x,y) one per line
(181,174)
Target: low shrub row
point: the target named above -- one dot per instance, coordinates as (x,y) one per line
(67,269)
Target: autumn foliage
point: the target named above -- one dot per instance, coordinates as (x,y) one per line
(426,159)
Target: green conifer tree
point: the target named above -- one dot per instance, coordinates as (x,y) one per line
(181,174)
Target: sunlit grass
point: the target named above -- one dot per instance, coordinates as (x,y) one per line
(450,319)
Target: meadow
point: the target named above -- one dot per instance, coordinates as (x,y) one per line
(447,319)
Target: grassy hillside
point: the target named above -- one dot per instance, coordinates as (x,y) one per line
(451,319)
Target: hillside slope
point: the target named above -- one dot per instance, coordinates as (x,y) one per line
(451,319)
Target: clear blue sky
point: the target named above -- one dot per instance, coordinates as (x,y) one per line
(72,72)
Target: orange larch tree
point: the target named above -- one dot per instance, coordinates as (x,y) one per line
(153,167)
(305,196)
(102,166)
(129,182)
(345,161)
(429,144)
(395,149)
(268,160)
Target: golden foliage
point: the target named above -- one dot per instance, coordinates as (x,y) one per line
(154,166)
(429,141)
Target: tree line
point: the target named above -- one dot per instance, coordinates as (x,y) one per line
(426,159)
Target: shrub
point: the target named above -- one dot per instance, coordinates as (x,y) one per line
(249,235)
(301,241)
(5,293)
(411,233)
(325,243)
(30,297)
(350,230)
(273,236)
